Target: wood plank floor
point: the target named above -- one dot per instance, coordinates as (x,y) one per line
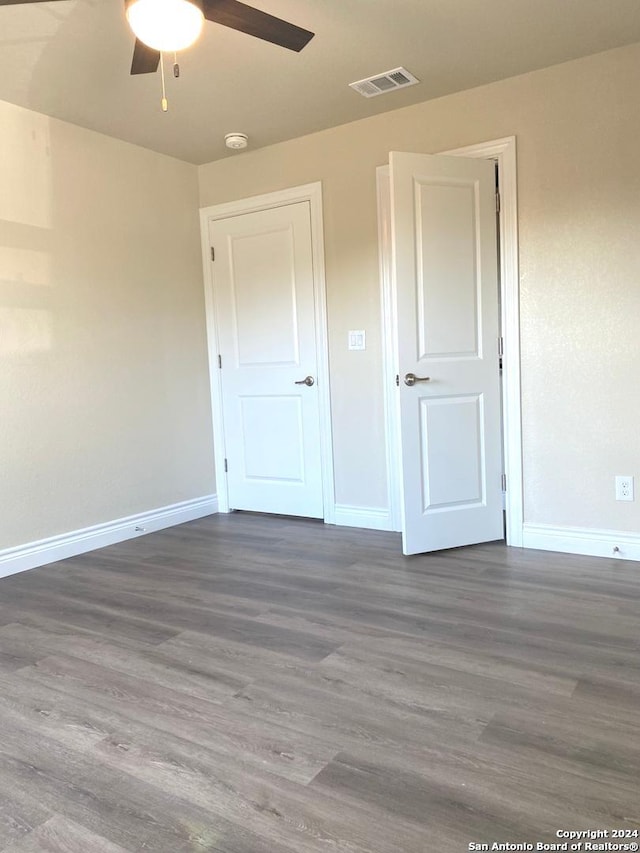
(246,684)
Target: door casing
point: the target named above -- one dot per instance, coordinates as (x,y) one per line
(504,152)
(311,193)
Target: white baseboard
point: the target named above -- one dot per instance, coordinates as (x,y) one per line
(582,540)
(34,554)
(362,516)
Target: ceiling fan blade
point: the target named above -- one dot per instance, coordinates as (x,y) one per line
(145,59)
(239,16)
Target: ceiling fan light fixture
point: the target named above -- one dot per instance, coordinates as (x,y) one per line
(166,25)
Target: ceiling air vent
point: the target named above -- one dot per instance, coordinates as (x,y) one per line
(389,81)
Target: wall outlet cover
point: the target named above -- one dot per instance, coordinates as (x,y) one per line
(624,488)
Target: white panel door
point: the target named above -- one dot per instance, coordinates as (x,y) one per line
(263,289)
(444,250)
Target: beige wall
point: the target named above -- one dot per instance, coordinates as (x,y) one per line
(104,407)
(577,128)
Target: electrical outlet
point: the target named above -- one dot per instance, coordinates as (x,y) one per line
(624,488)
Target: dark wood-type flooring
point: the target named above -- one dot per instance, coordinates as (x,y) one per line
(246,684)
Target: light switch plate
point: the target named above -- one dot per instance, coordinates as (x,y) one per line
(357,340)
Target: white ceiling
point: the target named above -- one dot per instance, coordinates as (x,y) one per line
(71,59)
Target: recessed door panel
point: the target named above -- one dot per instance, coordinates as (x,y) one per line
(272,438)
(447,268)
(263,281)
(452,452)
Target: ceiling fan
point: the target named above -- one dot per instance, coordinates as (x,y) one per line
(172,25)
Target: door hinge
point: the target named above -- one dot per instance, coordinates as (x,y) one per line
(226,465)
(497,202)
(503,480)
(500,346)
(220,362)
(398,379)
(213,254)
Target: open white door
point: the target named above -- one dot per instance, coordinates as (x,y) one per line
(444,263)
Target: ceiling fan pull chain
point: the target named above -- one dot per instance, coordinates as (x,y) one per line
(176,67)
(165,103)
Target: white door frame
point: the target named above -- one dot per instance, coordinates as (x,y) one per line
(504,152)
(313,194)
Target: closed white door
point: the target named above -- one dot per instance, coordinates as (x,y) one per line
(444,264)
(263,290)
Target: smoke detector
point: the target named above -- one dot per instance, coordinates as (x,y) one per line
(236,140)
(388,81)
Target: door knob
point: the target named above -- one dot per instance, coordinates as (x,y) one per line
(308,381)
(411,379)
